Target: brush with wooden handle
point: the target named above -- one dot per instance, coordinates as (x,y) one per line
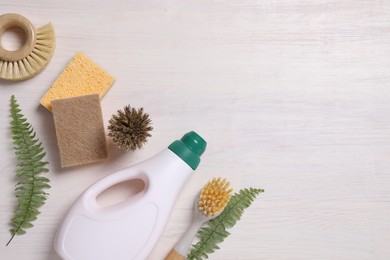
(212,200)
(35,53)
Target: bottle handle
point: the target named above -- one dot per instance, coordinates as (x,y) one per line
(103,184)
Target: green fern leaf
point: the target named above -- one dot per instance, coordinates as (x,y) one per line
(215,232)
(30,186)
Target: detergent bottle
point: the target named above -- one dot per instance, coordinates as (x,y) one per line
(129,229)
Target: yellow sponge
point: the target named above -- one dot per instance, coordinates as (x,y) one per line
(81,77)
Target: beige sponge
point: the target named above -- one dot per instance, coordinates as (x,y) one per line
(80,131)
(81,77)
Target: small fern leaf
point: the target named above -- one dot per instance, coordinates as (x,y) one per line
(215,232)
(30,187)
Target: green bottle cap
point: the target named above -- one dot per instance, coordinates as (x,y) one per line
(189,148)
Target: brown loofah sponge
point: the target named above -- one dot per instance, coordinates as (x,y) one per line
(80,130)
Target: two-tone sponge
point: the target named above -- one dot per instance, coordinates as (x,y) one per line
(74,99)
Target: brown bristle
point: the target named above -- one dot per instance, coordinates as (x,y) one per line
(130,128)
(214,196)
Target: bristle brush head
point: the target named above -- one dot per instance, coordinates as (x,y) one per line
(35,53)
(214,196)
(130,128)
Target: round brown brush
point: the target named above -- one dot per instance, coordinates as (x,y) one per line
(130,128)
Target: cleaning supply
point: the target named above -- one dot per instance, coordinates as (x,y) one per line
(212,200)
(130,128)
(35,53)
(216,230)
(131,228)
(81,76)
(80,131)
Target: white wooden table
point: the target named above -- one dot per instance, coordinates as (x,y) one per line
(293,96)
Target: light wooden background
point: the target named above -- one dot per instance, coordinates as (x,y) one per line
(293,96)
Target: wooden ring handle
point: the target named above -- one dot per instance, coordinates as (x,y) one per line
(11,20)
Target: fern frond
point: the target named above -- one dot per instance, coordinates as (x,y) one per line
(215,232)
(30,187)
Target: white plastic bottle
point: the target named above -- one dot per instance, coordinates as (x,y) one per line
(129,229)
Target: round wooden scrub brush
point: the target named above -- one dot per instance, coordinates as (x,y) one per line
(211,202)
(130,128)
(35,53)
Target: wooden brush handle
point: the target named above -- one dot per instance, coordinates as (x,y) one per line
(8,21)
(173,255)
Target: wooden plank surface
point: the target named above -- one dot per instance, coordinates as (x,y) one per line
(291,95)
